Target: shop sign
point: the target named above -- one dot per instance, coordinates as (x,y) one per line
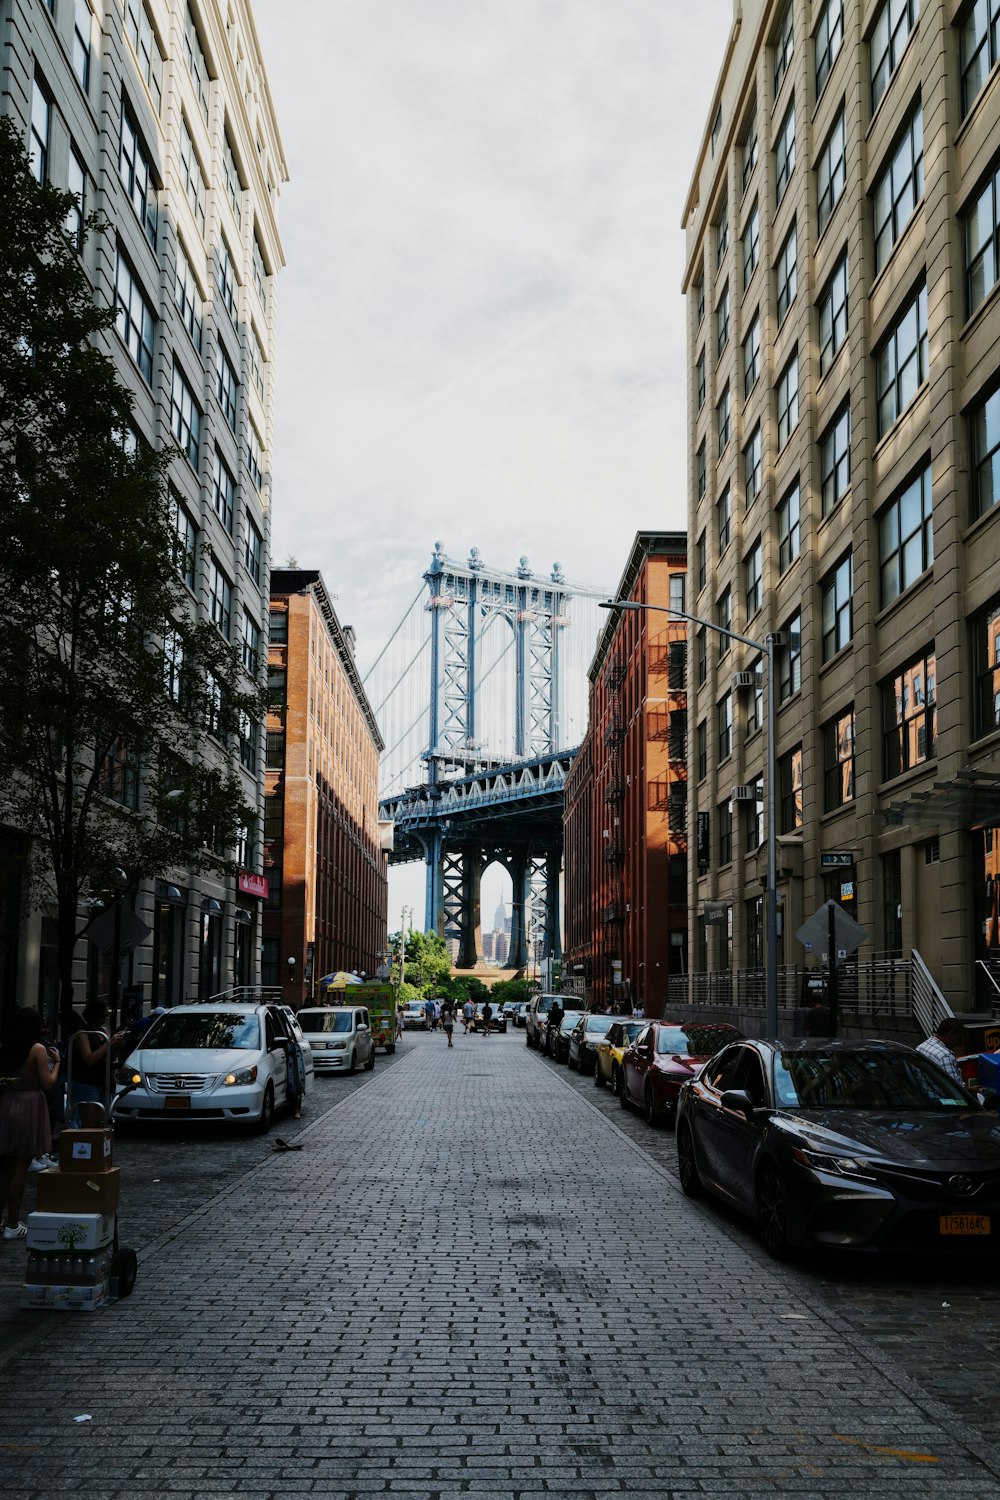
(253,885)
(836,859)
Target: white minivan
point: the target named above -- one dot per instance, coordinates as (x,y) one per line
(340,1037)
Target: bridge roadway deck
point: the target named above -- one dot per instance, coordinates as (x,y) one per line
(471,1281)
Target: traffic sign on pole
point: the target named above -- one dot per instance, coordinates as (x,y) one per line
(848,935)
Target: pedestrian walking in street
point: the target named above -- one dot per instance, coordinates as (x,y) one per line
(468,1011)
(945,1046)
(429,1014)
(487,1018)
(448,1020)
(28,1069)
(399,1022)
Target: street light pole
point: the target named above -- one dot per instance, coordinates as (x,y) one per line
(767,650)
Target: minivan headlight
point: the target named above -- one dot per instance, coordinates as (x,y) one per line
(244,1075)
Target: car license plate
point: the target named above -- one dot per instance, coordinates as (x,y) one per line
(965,1224)
(177,1101)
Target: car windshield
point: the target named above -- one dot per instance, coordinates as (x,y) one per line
(863,1080)
(218,1029)
(569,1020)
(598,1025)
(325,1020)
(693,1040)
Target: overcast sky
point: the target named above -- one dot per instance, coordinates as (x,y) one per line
(480,329)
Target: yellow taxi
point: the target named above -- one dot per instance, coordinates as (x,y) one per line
(610,1050)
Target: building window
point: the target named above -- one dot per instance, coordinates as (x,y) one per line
(83,40)
(225,277)
(248,742)
(139,30)
(700,380)
(788,529)
(721,235)
(120,776)
(226,385)
(784,153)
(787,274)
(223,492)
(980,49)
(898,189)
(220,600)
(135,171)
(750,146)
(701,749)
(906,537)
(835,461)
(192,177)
(277,627)
(250,644)
(231,175)
(751,357)
(677,592)
(909,716)
(724,619)
(722,320)
(751,245)
(896,20)
(986,659)
(700,300)
(725,726)
(753,579)
(755,702)
(274,819)
(836,615)
(716,128)
(790,784)
(790,660)
(195,57)
(829,40)
(985,423)
(187,299)
(725,825)
(831,171)
(701,656)
(833,315)
(185,418)
(723,511)
(185,540)
(259,272)
(755,815)
(982,245)
(76,184)
(41,126)
(788,400)
(752,467)
(901,363)
(134,318)
(275,750)
(270,954)
(251,551)
(784,43)
(257,361)
(701,469)
(255,461)
(723,417)
(838,760)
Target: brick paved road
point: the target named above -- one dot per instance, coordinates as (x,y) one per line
(436,1299)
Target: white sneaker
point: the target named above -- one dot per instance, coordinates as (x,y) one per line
(42,1163)
(20,1233)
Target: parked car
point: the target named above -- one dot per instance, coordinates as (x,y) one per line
(340,1036)
(662,1058)
(557,1038)
(537,1018)
(413,1015)
(307,1057)
(587,1032)
(208,1062)
(611,1049)
(859,1145)
(520,1014)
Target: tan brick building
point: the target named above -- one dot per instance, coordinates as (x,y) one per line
(624,827)
(327,876)
(843,229)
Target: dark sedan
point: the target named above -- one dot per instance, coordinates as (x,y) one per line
(662,1058)
(588,1031)
(843,1144)
(557,1039)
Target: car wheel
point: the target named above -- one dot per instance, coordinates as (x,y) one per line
(623,1098)
(574,1067)
(649,1106)
(771,1212)
(687,1167)
(390,1046)
(616,1080)
(370,1064)
(266,1117)
(354,1063)
(599,1079)
(527,1040)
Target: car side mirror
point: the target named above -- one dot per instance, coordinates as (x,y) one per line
(279,1044)
(739,1102)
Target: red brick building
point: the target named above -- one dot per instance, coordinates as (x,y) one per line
(625,836)
(328,884)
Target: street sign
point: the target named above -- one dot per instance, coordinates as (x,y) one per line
(848,935)
(715,912)
(836,859)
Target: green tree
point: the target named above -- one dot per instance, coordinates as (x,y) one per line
(511,989)
(109,688)
(428,962)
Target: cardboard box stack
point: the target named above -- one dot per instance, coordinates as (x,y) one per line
(70,1236)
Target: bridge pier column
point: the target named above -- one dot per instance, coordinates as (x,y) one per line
(434,882)
(553,906)
(518,957)
(471,942)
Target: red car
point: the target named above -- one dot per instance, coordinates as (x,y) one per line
(662,1058)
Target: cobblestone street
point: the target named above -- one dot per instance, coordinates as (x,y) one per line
(471,1280)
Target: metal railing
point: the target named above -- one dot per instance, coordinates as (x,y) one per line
(249,994)
(882,987)
(988,971)
(929,1005)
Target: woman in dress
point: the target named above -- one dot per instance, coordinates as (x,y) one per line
(28,1069)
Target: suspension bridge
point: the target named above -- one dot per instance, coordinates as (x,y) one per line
(481,697)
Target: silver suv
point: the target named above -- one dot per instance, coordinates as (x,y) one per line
(538,1017)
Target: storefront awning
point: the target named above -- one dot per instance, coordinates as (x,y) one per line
(970,799)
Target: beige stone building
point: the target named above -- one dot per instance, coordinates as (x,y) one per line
(843,257)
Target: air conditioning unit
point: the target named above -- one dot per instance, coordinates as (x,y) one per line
(747,793)
(778,638)
(743,679)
